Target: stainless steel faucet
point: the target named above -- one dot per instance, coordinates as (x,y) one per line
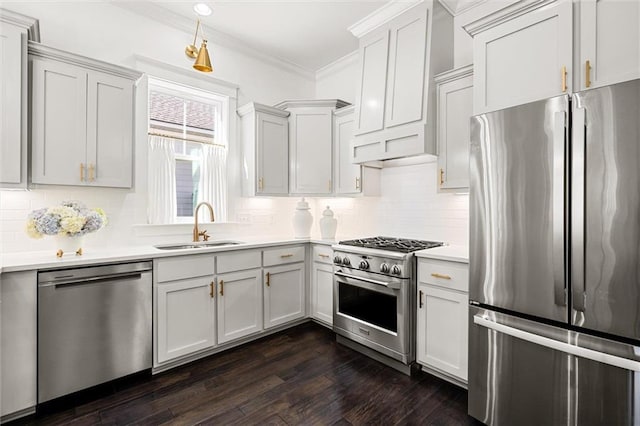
(196,232)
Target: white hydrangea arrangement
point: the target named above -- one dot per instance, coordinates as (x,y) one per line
(70,218)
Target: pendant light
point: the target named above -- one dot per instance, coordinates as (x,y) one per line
(203,61)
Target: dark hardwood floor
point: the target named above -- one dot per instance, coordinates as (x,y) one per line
(298,376)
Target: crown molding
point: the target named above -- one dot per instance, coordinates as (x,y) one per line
(313,103)
(154,11)
(381,16)
(454,74)
(337,65)
(457,7)
(43,51)
(344,111)
(505,14)
(32,25)
(256,107)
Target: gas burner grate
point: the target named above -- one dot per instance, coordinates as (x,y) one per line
(401,245)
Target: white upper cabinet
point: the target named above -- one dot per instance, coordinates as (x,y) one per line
(609,42)
(399,51)
(15,29)
(265,150)
(82,120)
(523,59)
(311,145)
(455,108)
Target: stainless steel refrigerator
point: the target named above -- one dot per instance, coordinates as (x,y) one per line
(554,319)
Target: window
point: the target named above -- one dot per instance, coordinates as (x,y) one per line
(187,151)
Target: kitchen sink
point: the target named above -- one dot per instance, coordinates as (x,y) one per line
(204,244)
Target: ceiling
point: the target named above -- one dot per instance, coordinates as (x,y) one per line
(307,33)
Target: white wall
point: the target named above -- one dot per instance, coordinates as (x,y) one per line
(107,32)
(338,80)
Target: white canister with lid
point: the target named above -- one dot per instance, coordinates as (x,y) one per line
(328,225)
(302,220)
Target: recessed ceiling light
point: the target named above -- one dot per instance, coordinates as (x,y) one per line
(202,9)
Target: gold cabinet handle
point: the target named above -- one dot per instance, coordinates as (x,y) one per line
(443,276)
(284,256)
(441,177)
(81,172)
(329,185)
(260,184)
(92,169)
(221,287)
(212,291)
(421,302)
(564,78)
(357,183)
(268,279)
(587,72)
(325,256)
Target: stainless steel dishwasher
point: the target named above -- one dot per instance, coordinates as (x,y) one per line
(94,325)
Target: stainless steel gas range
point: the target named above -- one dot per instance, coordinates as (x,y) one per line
(374,289)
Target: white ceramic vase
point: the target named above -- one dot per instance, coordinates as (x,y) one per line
(328,225)
(302,220)
(69,246)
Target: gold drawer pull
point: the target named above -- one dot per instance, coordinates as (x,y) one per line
(221,288)
(81,172)
(564,78)
(211,289)
(441,177)
(587,71)
(92,169)
(284,256)
(268,279)
(443,276)
(326,256)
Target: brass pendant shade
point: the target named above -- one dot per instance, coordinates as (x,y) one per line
(203,62)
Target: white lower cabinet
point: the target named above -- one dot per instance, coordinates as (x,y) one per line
(442,326)
(18,353)
(284,295)
(239,297)
(186,317)
(322,285)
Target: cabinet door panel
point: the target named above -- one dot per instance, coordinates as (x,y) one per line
(348,178)
(322,292)
(610,41)
(186,318)
(521,60)
(310,151)
(373,53)
(13,107)
(284,298)
(443,330)
(109,130)
(406,70)
(58,123)
(273,154)
(239,304)
(455,108)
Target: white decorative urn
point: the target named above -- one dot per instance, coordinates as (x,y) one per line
(328,225)
(302,220)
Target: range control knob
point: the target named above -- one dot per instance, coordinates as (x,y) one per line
(395,270)
(346,261)
(337,260)
(384,268)
(364,264)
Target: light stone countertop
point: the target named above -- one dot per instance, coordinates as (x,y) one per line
(453,253)
(25,261)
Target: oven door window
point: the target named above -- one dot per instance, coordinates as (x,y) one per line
(369,306)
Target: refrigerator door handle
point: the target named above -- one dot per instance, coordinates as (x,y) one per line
(558,208)
(579,140)
(568,348)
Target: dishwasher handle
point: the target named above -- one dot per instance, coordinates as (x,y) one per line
(91,280)
(93,273)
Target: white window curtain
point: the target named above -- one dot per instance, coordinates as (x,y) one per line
(162,180)
(213,180)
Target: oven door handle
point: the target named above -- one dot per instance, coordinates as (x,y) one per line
(391,285)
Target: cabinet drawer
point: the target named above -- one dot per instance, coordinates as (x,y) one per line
(451,275)
(323,254)
(180,267)
(238,261)
(281,256)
